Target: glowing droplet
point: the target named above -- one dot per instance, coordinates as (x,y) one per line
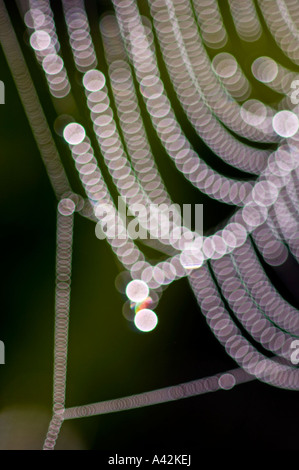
(264,69)
(74,133)
(61,122)
(52,64)
(137,290)
(145,320)
(265,193)
(227,381)
(40,40)
(142,305)
(34,18)
(127,312)
(66,206)
(253,112)
(285,123)
(94,80)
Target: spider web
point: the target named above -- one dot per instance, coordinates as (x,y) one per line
(223,269)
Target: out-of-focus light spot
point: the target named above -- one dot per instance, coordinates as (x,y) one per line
(137,290)
(264,69)
(145,320)
(285,123)
(94,80)
(61,122)
(227,381)
(285,159)
(122,280)
(265,193)
(253,112)
(52,64)
(142,305)
(22,427)
(34,18)
(66,206)
(40,40)
(192,256)
(234,235)
(74,133)
(225,65)
(128,312)
(254,215)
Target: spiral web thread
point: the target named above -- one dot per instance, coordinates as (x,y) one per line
(215,96)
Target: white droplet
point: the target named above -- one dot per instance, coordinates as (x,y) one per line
(137,290)
(145,320)
(74,133)
(34,18)
(40,40)
(285,123)
(227,381)
(66,206)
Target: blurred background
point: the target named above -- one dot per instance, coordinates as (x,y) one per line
(108,358)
